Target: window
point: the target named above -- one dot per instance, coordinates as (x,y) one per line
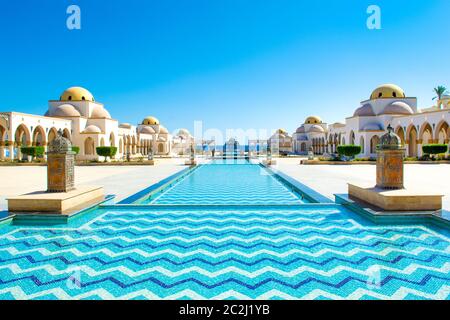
(83,98)
(70,98)
(380,95)
(394,94)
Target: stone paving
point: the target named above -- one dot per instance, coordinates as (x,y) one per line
(331,179)
(126,180)
(119,180)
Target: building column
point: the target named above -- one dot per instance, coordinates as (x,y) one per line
(419,148)
(11,150)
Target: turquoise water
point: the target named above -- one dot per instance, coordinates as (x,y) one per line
(255,251)
(227,182)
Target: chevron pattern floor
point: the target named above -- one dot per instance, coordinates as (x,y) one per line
(312,252)
(224,184)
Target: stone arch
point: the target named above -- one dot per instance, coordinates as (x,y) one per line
(39,137)
(412,141)
(102,142)
(374,142)
(2,135)
(442,134)
(112,139)
(89,146)
(128,144)
(133,145)
(401,133)
(121,145)
(361,143)
(160,148)
(52,133)
(22,136)
(426,133)
(351,137)
(303,147)
(66,134)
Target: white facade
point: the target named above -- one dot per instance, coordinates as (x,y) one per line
(87,124)
(388,104)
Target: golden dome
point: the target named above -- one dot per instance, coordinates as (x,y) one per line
(313,120)
(387,91)
(76,94)
(150,121)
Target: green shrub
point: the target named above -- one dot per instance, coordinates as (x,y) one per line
(364,159)
(33,151)
(76,149)
(349,150)
(434,149)
(106,152)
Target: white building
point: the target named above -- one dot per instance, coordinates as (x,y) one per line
(388,104)
(86,123)
(280,142)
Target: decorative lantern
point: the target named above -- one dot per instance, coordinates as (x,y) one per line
(390,155)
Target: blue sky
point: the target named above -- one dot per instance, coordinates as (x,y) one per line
(230,63)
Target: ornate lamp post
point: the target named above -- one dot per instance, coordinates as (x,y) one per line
(60,165)
(390,155)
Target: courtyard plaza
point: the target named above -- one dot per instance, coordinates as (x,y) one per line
(123,181)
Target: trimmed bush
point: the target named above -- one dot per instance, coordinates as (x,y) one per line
(106,152)
(76,149)
(433,149)
(33,151)
(349,150)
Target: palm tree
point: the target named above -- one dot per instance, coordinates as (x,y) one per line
(440,91)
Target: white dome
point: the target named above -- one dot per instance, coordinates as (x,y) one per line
(100,113)
(163,130)
(364,111)
(300,129)
(316,128)
(125,125)
(398,107)
(92,129)
(162,139)
(184,132)
(64,110)
(372,126)
(147,130)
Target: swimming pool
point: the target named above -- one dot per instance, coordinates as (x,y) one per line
(252,251)
(227,182)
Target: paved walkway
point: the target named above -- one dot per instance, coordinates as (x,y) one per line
(122,181)
(331,179)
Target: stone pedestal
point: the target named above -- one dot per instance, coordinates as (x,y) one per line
(61,196)
(60,172)
(270,162)
(415,199)
(389,193)
(63,203)
(390,169)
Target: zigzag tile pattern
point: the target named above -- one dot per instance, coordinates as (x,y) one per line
(223,184)
(278,253)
